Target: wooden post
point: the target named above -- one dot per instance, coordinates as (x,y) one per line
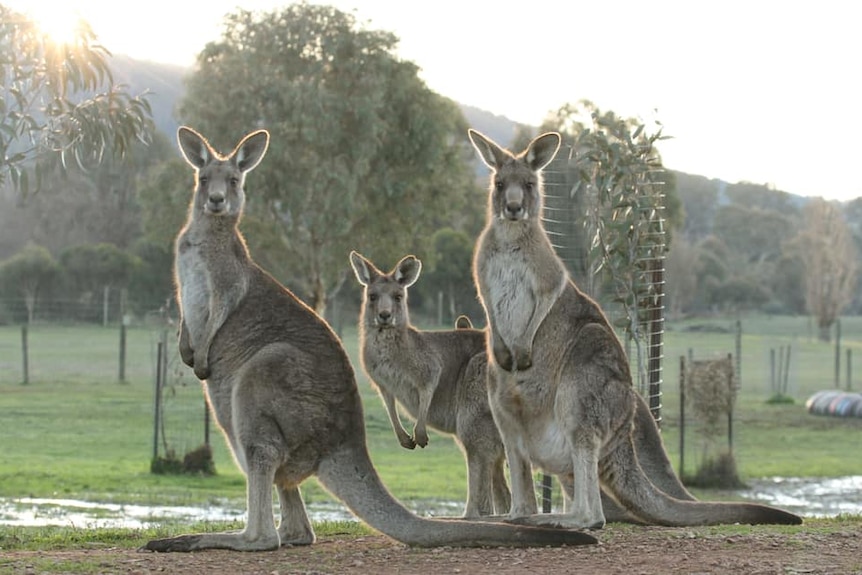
(25,353)
(122,351)
(730,410)
(849,363)
(546,493)
(681,416)
(160,352)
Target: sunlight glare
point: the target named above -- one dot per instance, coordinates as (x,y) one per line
(57,20)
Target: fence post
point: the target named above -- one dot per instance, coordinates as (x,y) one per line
(681,416)
(546,493)
(730,411)
(160,352)
(25,353)
(122,351)
(849,363)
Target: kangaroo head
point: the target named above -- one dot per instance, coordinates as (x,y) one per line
(219,179)
(516,182)
(385,302)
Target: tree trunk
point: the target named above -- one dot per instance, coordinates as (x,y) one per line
(824,332)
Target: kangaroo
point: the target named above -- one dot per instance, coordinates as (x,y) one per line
(387,339)
(281,386)
(438,377)
(560,387)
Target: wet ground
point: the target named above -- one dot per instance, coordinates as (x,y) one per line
(809,497)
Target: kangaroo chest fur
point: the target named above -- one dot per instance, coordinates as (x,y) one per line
(510,286)
(205,268)
(517,269)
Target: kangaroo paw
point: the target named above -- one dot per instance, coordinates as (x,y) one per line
(407,442)
(523,360)
(504,359)
(421,439)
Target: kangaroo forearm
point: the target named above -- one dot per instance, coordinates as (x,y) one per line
(187,354)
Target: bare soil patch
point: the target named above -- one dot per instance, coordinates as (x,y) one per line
(622,550)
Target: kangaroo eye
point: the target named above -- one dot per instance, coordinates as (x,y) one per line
(499,186)
(204,180)
(372,297)
(398,297)
(529,186)
(234,182)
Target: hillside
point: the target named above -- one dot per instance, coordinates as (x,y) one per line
(700,197)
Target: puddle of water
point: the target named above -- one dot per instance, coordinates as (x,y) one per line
(35,512)
(809,497)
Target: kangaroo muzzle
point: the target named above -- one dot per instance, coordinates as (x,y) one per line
(513,204)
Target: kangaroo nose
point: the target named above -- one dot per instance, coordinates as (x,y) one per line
(514,209)
(384,315)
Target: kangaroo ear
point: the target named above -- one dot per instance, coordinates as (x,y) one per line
(407,271)
(491,153)
(194,147)
(542,150)
(363,269)
(250,151)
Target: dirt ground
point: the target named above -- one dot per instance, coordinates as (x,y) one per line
(622,550)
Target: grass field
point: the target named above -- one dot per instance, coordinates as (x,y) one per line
(74,431)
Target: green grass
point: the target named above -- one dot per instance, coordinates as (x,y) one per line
(75,432)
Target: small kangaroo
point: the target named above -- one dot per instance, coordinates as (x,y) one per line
(560,386)
(281,386)
(438,377)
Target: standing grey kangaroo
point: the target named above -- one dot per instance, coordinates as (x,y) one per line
(280,384)
(560,386)
(438,377)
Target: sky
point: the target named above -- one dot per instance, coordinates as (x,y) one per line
(761,91)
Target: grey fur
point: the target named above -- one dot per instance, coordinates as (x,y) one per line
(281,386)
(560,386)
(438,377)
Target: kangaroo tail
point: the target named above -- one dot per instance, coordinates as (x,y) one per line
(350,476)
(652,456)
(634,490)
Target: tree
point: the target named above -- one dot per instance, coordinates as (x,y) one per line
(99,205)
(681,271)
(828,254)
(363,154)
(58,103)
(28,273)
(91,270)
(449,272)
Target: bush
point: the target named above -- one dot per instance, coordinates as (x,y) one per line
(196,462)
(717,473)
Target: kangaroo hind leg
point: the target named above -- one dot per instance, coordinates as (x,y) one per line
(294,528)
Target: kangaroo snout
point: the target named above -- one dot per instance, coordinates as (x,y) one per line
(384,317)
(513,210)
(216,203)
(513,204)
